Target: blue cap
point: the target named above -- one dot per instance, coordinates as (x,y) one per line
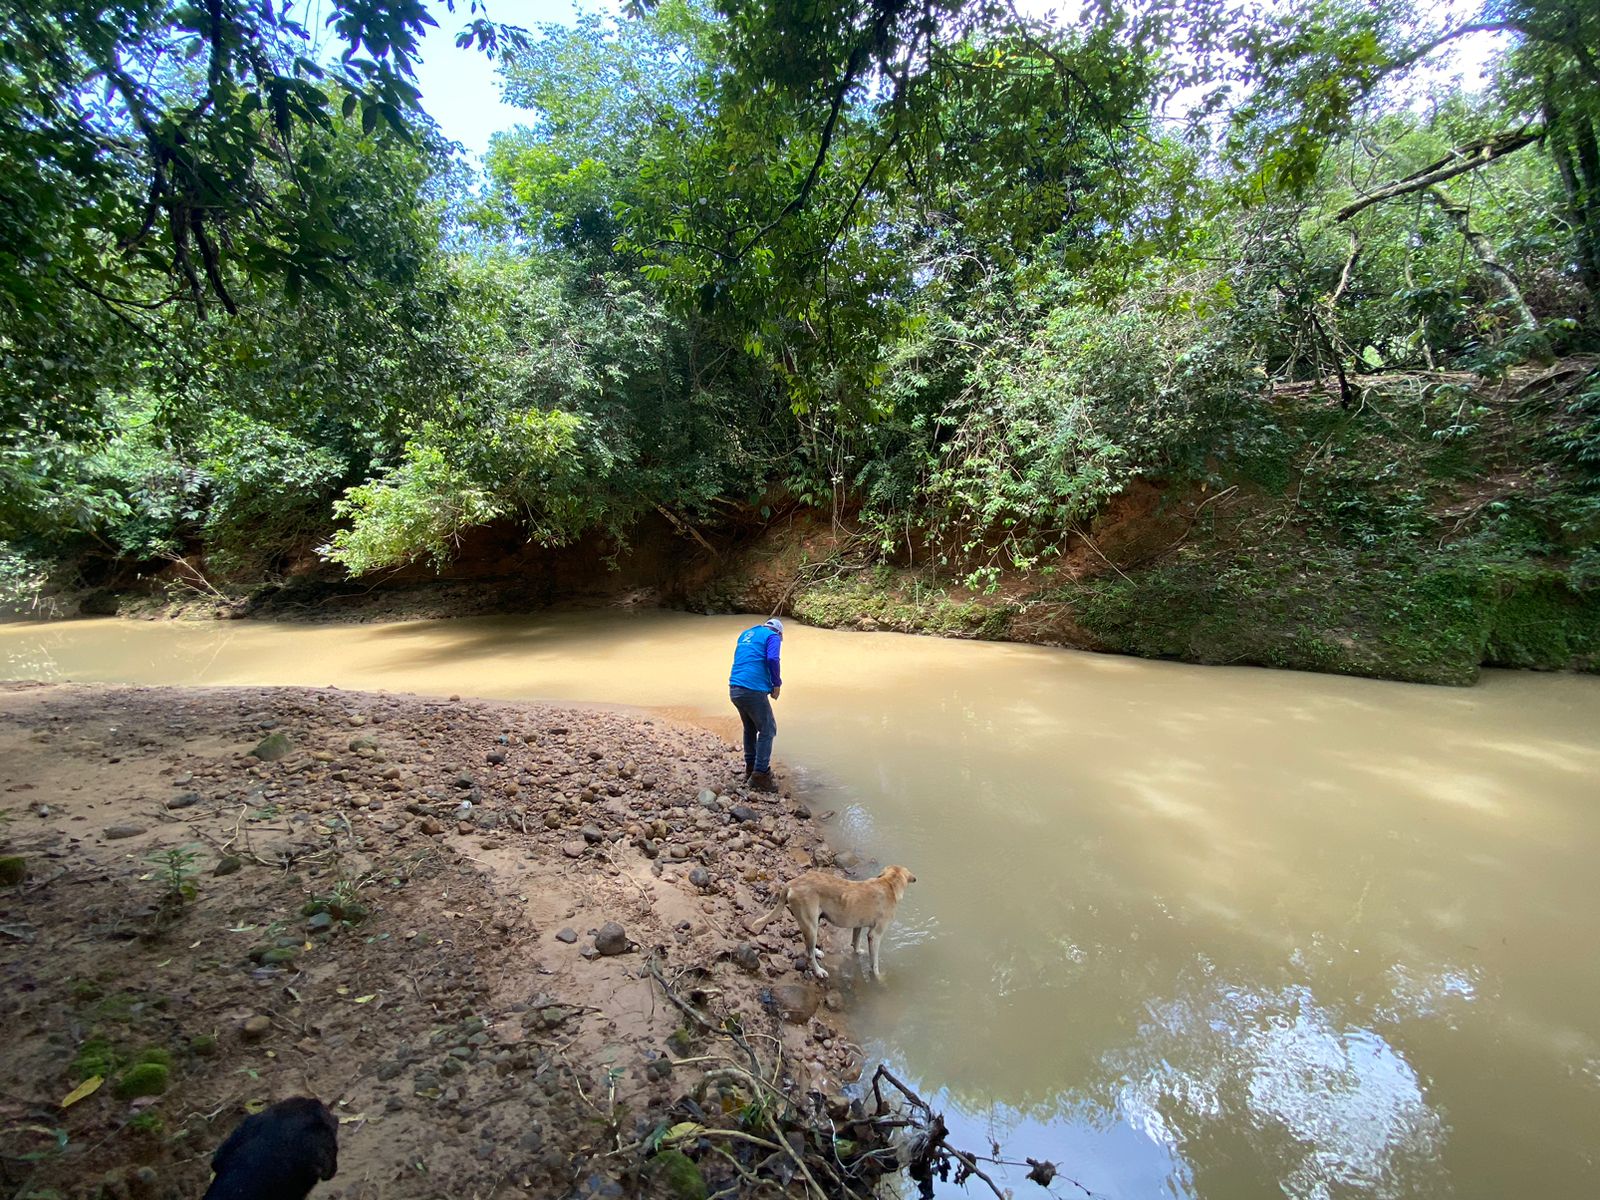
(774,624)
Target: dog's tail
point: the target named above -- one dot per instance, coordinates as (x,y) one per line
(777,905)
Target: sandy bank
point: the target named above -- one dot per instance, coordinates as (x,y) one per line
(406,913)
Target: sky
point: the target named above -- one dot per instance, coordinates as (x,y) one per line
(461,88)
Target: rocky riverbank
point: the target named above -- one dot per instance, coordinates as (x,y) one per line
(503,941)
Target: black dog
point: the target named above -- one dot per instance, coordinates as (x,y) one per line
(278,1154)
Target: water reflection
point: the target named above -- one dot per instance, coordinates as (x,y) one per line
(1323,1106)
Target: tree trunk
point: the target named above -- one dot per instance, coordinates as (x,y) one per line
(1571,140)
(1498,274)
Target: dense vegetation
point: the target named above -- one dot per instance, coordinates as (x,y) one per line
(954,275)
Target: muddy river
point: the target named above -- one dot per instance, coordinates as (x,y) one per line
(1189,932)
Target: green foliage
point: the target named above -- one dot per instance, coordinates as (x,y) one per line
(148,1124)
(931,266)
(175,870)
(95,1056)
(170,144)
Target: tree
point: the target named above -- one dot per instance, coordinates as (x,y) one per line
(170,138)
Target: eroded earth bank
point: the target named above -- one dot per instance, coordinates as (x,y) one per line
(503,941)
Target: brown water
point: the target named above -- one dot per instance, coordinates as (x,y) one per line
(1190,932)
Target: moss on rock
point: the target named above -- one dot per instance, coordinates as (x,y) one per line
(679,1176)
(143,1079)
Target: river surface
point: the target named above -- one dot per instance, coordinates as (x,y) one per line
(1201,932)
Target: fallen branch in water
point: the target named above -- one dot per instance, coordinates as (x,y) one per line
(933,1155)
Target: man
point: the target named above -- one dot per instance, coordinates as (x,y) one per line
(753,686)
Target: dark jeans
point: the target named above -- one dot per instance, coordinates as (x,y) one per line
(760,726)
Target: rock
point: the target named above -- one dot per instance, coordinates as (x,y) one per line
(599,1187)
(568,936)
(531,1142)
(280,956)
(464,781)
(593,834)
(795,1002)
(574,848)
(184,800)
(116,832)
(496,757)
(743,812)
(272,747)
(648,847)
(321,922)
(846,859)
(358,744)
(430,826)
(203,1045)
(611,939)
(700,877)
(746,957)
(13,870)
(707,799)
(256,1028)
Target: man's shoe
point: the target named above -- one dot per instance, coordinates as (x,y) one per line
(762,781)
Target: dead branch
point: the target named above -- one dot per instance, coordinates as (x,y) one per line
(1458,162)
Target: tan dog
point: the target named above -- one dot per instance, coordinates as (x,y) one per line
(817,896)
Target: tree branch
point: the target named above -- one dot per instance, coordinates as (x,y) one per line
(1458,162)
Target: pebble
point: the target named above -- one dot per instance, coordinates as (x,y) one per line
(567,935)
(116,832)
(255,1028)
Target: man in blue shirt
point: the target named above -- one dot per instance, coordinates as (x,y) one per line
(753,686)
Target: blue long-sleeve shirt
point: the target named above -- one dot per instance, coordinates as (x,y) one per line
(755,660)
